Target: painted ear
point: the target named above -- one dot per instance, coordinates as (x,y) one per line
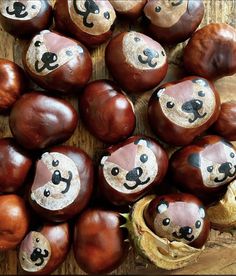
(159,92)
(227,143)
(194,160)
(201,82)
(104,159)
(141,141)
(202,212)
(162,206)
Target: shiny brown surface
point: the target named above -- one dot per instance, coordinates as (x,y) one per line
(106,111)
(38,121)
(99,245)
(14,221)
(211,52)
(12,83)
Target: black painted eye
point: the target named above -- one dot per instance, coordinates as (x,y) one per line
(166,221)
(163,53)
(144,158)
(69,53)
(37,240)
(210,168)
(201,94)
(106,15)
(23,258)
(158,9)
(55,163)
(170,104)
(136,39)
(33,7)
(232,155)
(46,193)
(37,43)
(198,224)
(115,171)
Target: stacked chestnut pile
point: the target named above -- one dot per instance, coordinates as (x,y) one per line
(56,182)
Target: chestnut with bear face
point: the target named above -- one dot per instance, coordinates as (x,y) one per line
(89,21)
(212,161)
(57,63)
(180,111)
(136,62)
(178,217)
(23,18)
(131,169)
(62,184)
(173,21)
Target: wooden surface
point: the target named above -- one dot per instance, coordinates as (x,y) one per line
(220,255)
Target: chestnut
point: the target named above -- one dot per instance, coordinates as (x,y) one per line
(180,111)
(99,242)
(226,123)
(106,111)
(129,9)
(15,164)
(211,52)
(38,121)
(212,162)
(62,184)
(25,18)
(135,61)
(56,62)
(172,21)
(42,251)
(89,21)
(131,169)
(178,217)
(12,83)
(14,221)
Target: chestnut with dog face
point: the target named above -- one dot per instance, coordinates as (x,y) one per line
(131,169)
(173,21)
(180,111)
(57,63)
(23,18)
(212,161)
(178,217)
(89,21)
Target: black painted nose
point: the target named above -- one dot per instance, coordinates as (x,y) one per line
(192,106)
(18,6)
(134,174)
(150,53)
(225,167)
(49,57)
(186,230)
(35,254)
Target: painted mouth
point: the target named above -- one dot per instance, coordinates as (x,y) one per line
(227,174)
(18,9)
(182,236)
(38,255)
(150,55)
(138,183)
(57,179)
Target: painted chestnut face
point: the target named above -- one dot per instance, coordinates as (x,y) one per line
(132,168)
(133,54)
(190,104)
(178,217)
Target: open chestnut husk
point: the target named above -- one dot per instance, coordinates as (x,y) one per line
(100,244)
(180,111)
(106,111)
(23,18)
(172,21)
(136,62)
(42,251)
(89,21)
(131,168)
(56,62)
(212,162)
(211,51)
(62,184)
(161,252)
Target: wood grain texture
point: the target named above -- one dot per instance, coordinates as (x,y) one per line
(220,255)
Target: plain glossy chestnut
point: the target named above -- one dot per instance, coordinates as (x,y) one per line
(89,21)
(205,167)
(135,61)
(173,21)
(42,251)
(211,52)
(106,111)
(99,245)
(15,164)
(62,184)
(131,169)
(38,121)
(56,62)
(129,8)
(12,83)
(180,111)
(14,221)
(23,18)
(226,123)
(178,217)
